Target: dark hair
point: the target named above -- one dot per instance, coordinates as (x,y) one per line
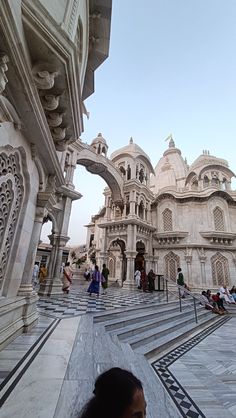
(179,269)
(113,393)
(67,264)
(96,267)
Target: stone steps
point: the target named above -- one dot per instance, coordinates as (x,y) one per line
(151,329)
(143,319)
(157,328)
(156,347)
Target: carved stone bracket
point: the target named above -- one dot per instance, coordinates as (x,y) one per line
(3,68)
(43,79)
(50,101)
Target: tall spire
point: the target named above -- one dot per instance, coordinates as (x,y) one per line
(131,140)
(171,141)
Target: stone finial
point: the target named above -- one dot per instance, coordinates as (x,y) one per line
(3,68)
(171,141)
(131,141)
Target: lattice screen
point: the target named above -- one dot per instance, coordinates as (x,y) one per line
(218,219)
(220,270)
(167,220)
(172,262)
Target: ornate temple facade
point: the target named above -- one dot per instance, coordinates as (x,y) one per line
(172,216)
(49,51)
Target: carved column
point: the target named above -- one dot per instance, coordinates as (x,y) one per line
(188,259)
(53,285)
(130,256)
(26,284)
(155,262)
(202,258)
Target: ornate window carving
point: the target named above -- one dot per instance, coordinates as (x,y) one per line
(11,197)
(167,220)
(218,219)
(220,270)
(172,262)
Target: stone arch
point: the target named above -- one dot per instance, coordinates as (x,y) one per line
(102,166)
(171,262)
(116,251)
(220,269)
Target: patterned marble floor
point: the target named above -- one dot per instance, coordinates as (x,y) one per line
(203,378)
(78,301)
(199,375)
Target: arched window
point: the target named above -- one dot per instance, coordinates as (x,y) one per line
(167,220)
(172,262)
(141,210)
(215,181)
(220,269)
(206,181)
(128,172)
(122,170)
(218,219)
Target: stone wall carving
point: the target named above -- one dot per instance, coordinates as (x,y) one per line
(11,198)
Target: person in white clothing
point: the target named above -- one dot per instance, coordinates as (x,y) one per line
(35,275)
(137,278)
(225,294)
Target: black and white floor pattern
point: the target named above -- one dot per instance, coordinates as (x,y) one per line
(181,398)
(78,301)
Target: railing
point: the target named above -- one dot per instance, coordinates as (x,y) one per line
(183,291)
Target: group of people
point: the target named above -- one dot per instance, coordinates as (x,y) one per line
(215,302)
(145,282)
(39,274)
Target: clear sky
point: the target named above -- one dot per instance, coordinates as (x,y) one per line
(171,69)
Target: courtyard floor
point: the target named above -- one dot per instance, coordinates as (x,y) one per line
(49,372)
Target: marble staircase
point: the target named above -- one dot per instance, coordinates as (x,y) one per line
(151,330)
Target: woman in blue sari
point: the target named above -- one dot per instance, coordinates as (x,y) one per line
(97,278)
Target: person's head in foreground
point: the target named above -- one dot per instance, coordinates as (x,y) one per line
(117,394)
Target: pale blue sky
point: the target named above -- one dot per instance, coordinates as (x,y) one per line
(171,69)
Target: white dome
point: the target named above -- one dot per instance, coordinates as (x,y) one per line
(170,171)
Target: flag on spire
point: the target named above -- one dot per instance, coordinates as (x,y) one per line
(169,138)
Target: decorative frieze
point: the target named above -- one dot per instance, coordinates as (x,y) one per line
(11,198)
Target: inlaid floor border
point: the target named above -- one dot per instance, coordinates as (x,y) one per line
(185,404)
(7,386)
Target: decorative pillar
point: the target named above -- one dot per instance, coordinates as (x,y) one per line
(53,285)
(25,288)
(130,256)
(155,262)
(188,259)
(202,258)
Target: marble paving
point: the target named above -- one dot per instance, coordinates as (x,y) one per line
(50,371)
(78,301)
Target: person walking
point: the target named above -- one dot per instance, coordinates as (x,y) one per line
(67,278)
(180,281)
(43,272)
(35,275)
(97,278)
(105,274)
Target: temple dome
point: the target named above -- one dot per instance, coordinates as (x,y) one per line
(171,170)
(205,159)
(134,151)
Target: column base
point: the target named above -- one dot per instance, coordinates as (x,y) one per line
(50,287)
(129,284)
(26,290)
